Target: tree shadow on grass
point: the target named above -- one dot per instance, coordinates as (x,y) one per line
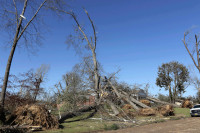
(89,116)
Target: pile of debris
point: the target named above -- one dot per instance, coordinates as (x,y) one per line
(147,112)
(35,115)
(165,110)
(146,102)
(186,104)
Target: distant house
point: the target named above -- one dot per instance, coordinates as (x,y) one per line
(139,94)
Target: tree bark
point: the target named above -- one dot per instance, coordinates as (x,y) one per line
(136,101)
(113,107)
(170,94)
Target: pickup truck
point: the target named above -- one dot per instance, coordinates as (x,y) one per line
(195,111)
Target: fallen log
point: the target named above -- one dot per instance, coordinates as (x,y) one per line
(136,101)
(127,99)
(161,102)
(113,107)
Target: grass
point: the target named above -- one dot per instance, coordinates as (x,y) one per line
(79,125)
(182,112)
(111,127)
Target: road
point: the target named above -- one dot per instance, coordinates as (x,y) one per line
(187,125)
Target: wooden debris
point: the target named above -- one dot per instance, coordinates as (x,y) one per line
(147,112)
(161,102)
(146,102)
(166,110)
(186,104)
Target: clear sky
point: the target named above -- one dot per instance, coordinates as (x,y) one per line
(136,36)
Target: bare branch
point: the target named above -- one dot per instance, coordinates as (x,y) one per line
(197,50)
(186,46)
(94,31)
(16,13)
(31,19)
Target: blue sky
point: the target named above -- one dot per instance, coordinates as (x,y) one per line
(136,36)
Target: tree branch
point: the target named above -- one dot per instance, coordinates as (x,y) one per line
(185,44)
(93,27)
(16,13)
(31,19)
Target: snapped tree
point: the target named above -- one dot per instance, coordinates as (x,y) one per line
(172,76)
(91,45)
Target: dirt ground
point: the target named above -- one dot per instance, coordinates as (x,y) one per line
(187,125)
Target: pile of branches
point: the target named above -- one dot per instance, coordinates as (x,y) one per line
(186,104)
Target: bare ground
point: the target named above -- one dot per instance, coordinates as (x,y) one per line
(187,125)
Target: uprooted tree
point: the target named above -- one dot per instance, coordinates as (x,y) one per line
(173,76)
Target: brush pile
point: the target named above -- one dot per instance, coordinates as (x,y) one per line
(146,102)
(166,110)
(147,112)
(35,115)
(186,104)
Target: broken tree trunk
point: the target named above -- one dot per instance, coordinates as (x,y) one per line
(113,107)
(161,102)
(136,101)
(127,99)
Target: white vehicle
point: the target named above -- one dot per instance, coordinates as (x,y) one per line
(195,111)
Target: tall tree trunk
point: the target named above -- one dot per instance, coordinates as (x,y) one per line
(96,75)
(170,95)
(9,62)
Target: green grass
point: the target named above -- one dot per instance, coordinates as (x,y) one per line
(182,112)
(73,125)
(111,127)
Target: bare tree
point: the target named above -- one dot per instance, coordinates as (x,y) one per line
(20,23)
(194,53)
(91,45)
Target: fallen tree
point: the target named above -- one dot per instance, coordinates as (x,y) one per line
(161,102)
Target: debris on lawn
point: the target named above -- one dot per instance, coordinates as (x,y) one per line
(127,107)
(187,104)
(147,111)
(35,116)
(166,110)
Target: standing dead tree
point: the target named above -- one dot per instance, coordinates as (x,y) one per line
(196,50)
(91,45)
